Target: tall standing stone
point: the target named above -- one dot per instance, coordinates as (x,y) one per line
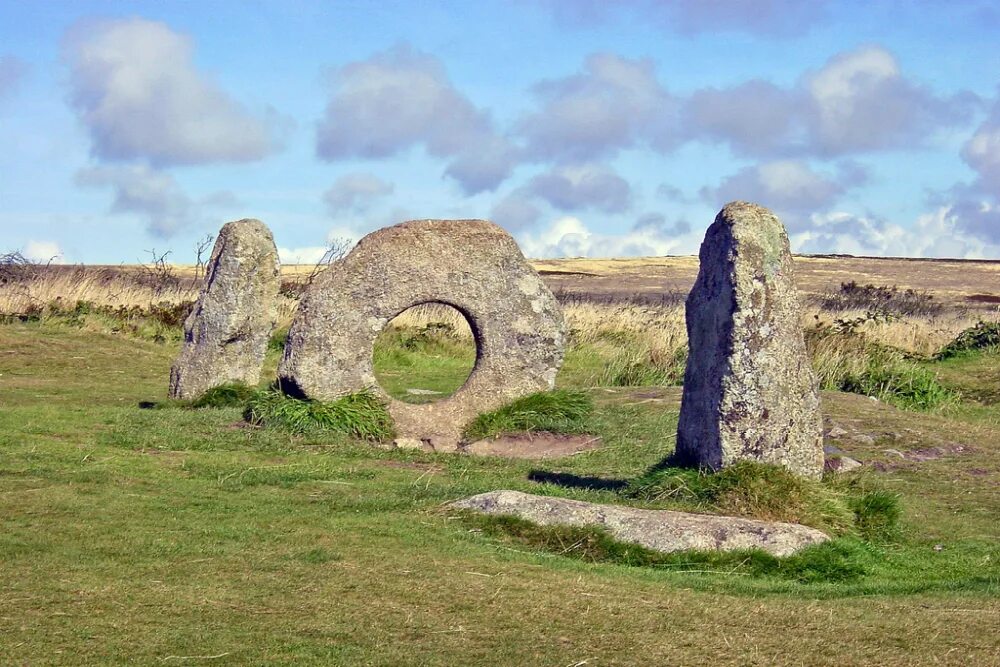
(225,336)
(749,390)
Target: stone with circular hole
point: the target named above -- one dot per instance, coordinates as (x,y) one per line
(473,266)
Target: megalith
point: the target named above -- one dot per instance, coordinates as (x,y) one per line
(749,390)
(225,336)
(473,266)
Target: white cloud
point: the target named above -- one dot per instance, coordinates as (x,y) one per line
(402,98)
(44,252)
(771,18)
(342,237)
(615,103)
(516,211)
(576,187)
(355,192)
(135,87)
(303,255)
(152,194)
(859,101)
(982,152)
(12,70)
(935,234)
(789,187)
(570,237)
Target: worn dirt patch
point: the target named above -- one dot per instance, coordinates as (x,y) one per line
(534,445)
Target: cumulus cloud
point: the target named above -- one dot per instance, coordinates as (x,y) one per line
(859,101)
(152,194)
(935,234)
(402,98)
(516,211)
(586,186)
(615,103)
(44,252)
(771,18)
(341,237)
(356,192)
(570,237)
(982,152)
(12,70)
(657,222)
(791,187)
(136,89)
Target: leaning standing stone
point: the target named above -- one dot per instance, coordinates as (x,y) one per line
(225,336)
(749,390)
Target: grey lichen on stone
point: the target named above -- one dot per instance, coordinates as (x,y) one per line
(473,266)
(660,530)
(749,390)
(225,336)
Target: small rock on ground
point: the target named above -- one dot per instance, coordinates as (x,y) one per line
(659,530)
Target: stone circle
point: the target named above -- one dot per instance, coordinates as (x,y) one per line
(749,389)
(473,266)
(225,336)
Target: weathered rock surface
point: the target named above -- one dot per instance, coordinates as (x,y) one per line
(660,530)
(471,265)
(225,336)
(749,390)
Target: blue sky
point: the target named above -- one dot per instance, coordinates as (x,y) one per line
(585,128)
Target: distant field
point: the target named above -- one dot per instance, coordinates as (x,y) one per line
(975,283)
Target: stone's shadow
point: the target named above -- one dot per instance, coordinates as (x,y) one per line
(577,481)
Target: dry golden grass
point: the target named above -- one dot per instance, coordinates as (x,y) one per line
(94,286)
(657,331)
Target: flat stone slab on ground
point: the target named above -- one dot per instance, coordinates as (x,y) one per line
(660,530)
(534,445)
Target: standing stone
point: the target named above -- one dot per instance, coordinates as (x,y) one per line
(225,336)
(473,266)
(749,390)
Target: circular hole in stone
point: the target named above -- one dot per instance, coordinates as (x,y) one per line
(425,353)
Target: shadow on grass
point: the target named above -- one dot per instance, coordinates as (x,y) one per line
(570,480)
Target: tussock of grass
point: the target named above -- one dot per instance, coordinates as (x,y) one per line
(839,505)
(559,411)
(277,339)
(362,415)
(227,395)
(841,560)
(982,336)
(846,360)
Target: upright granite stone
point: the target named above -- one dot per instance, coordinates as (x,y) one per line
(473,266)
(225,336)
(749,390)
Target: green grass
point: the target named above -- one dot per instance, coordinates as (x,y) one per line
(361,415)
(231,394)
(135,536)
(982,337)
(558,411)
(840,504)
(845,360)
(432,359)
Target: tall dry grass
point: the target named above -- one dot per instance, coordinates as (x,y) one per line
(624,335)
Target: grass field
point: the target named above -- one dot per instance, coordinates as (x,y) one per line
(136,531)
